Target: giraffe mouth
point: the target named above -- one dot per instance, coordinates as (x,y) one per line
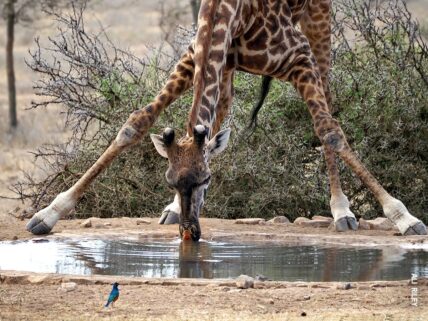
(190,233)
(187,235)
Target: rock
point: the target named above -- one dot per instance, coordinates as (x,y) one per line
(270,301)
(363,287)
(250,221)
(28,212)
(87,223)
(142,221)
(107,224)
(15,238)
(344,286)
(303,221)
(383,223)
(300,220)
(68,286)
(317,223)
(380,224)
(279,220)
(303,314)
(322,218)
(261,277)
(307,297)
(363,224)
(37,279)
(244,282)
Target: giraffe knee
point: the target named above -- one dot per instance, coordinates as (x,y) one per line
(126,136)
(335,140)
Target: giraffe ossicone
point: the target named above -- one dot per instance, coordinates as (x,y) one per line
(258,37)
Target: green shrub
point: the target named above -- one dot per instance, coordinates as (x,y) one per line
(379,92)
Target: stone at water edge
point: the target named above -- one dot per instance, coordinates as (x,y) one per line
(300,220)
(250,221)
(322,218)
(244,282)
(87,223)
(305,222)
(380,224)
(363,224)
(279,220)
(142,221)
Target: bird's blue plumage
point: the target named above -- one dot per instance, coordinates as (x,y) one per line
(114,294)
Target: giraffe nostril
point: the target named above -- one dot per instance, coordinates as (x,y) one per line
(187,235)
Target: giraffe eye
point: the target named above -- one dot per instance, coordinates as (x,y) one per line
(206,181)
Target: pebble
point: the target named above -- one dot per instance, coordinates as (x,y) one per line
(261,277)
(279,220)
(244,282)
(250,221)
(87,223)
(142,221)
(345,286)
(381,224)
(363,224)
(322,218)
(68,286)
(300,220)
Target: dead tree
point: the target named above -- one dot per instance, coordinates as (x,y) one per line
(10,25)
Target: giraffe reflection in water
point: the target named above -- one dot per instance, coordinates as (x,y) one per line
(172,258)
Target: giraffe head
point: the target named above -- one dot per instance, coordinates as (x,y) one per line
(188,172)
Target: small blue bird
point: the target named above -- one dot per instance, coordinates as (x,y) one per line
(114,295)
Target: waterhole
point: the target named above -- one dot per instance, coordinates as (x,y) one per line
(172,258)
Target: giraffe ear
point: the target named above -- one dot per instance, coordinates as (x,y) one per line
(218,143)
(162,143)
(159,144)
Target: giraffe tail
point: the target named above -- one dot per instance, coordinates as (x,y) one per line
(203,38)
(264,90)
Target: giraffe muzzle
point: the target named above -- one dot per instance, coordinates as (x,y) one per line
(190,233)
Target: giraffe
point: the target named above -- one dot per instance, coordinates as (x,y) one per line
(255,36)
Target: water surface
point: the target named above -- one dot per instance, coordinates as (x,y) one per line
(171,258)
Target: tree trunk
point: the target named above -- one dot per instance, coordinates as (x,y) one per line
(195,4)
(10,21)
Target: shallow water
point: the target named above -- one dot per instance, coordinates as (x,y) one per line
(171,258)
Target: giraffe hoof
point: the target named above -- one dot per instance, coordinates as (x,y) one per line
(38,227)
(346,223)
(418,229)
(169,217)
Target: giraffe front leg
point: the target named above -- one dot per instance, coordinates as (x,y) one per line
(137,125)
(344,219)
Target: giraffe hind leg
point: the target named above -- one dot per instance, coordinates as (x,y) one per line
(316,26)
(306,78)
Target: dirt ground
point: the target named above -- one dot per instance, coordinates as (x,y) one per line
(30,296)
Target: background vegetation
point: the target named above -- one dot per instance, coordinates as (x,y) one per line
(379,81)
